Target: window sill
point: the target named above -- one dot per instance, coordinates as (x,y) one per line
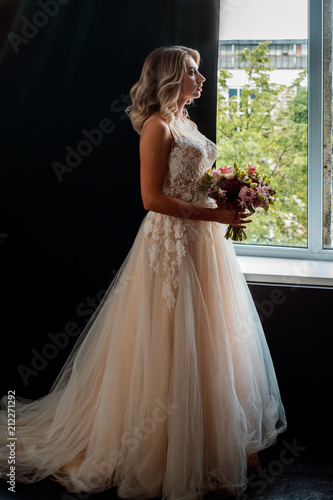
(287,271)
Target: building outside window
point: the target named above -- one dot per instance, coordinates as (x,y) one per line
(283,54)
(266,116)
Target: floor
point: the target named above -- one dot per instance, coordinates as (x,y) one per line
(284,476)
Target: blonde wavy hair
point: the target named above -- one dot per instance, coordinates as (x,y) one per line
(159,85)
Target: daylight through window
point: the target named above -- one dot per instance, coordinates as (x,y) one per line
(262,109)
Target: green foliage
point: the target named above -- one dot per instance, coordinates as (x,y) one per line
(268,127)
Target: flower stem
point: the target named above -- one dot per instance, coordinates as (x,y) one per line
(235,233)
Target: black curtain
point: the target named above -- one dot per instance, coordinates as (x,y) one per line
(70,203)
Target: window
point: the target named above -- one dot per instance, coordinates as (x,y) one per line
(327,124)
(270,113)
(233,93)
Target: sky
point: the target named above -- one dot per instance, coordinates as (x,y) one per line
(263,19)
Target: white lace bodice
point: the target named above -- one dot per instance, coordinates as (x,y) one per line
(192,155)
(167,237)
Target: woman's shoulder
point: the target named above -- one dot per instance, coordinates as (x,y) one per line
(156,122)
(157,118)
(156,128)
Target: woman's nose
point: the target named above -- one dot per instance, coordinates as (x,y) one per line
(201,78)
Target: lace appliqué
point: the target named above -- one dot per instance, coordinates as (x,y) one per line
(167,237)
(188,161)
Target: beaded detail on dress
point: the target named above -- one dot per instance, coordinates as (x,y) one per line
(168,237)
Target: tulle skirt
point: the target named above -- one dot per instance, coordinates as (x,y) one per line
(170,386)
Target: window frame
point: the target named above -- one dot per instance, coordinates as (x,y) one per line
(314,249)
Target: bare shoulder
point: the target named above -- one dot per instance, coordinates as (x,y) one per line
(156,129)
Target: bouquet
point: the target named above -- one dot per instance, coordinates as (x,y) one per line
(240,189)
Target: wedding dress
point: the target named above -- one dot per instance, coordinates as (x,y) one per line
(171,385)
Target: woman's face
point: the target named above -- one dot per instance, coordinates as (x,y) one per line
(192,81)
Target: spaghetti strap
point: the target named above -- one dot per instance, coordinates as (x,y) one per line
(175,131)
(194,125)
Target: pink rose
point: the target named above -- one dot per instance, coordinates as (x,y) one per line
(251,169)
(228,172)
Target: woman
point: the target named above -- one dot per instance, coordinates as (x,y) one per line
(170,389)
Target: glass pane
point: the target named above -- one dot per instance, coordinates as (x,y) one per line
(268,126)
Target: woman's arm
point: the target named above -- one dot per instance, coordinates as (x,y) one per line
(155,146)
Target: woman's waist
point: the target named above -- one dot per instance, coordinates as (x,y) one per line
(198,198)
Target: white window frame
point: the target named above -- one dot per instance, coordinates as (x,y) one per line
(314,250)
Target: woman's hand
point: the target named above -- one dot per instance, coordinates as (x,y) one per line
(235,218)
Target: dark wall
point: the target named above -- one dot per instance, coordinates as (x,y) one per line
(65,229)
(70,203)
(298,329)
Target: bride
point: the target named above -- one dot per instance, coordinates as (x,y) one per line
(170,390)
